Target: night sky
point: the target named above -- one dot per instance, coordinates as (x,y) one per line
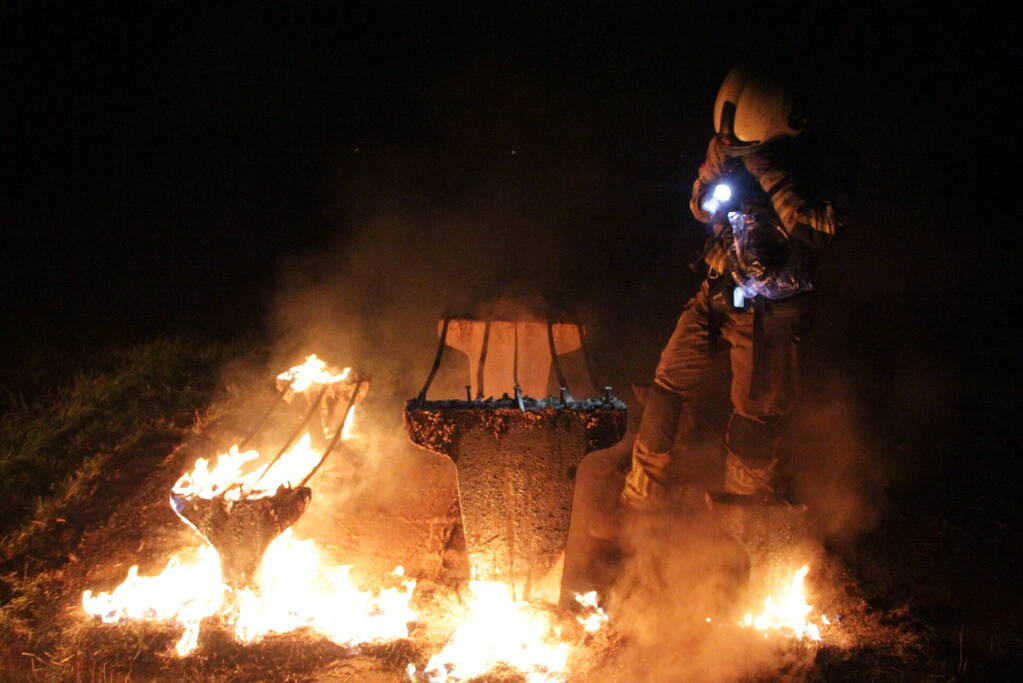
(168,158)
(173,164)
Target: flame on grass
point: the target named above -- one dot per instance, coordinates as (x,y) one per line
(498,631)
(296,589)
(594,617)
(188,590)
(787,612)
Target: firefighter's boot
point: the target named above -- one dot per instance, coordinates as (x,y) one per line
(751,463)
(644,492)
(646,484)
(749,479)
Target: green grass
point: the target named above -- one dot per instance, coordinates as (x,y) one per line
(56,442)
(74,443)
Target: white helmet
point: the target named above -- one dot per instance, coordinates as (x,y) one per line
(754,106)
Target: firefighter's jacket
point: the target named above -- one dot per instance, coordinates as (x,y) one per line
(789,201)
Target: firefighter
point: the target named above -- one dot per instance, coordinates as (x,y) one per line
(773,198)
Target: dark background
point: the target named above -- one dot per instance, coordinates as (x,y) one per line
(168,157)
(172,162)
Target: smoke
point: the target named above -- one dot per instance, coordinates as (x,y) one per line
(375,303)
(833,463)
(488,216)
(685,582)
(682,569)
(844,448)
(510,191)
(677,601)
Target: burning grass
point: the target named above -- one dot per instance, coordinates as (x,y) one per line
(104,520)
(142,651)
(146,650)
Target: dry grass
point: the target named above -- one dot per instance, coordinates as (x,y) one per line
(866,643)
(69,454)
(84,470)
(56,442)
(144,651)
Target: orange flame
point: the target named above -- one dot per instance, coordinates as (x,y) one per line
(594,616)
(498,630)
(295,589)
(312,371)
(788,612)
(227,477)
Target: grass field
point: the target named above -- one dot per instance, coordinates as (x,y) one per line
(89,446)
(54,441)
(74,439)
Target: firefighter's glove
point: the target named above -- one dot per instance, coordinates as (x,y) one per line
(715,166)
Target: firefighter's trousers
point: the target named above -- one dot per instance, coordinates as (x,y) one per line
(706,336)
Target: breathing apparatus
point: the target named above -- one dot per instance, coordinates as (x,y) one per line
(731,201)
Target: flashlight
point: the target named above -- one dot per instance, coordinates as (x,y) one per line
(720,195)
(738,298)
